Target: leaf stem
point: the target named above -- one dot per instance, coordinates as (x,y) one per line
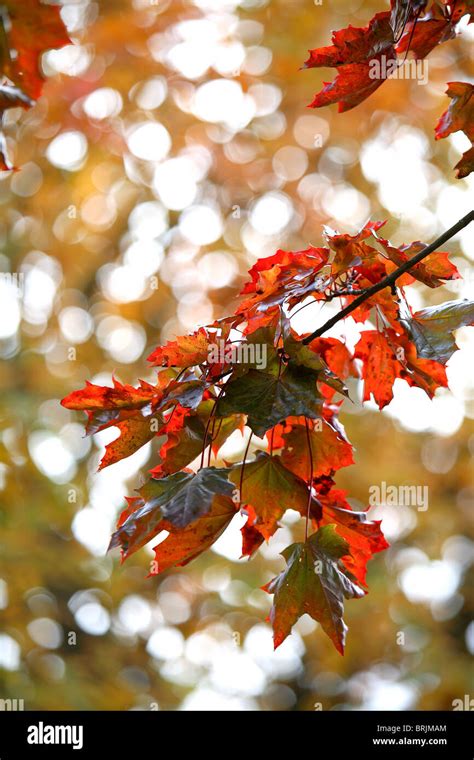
(272,436)
(211,442)
(210,419)
(389,280)
(241,481)
(310,481)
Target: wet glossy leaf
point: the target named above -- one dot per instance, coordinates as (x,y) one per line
(313,583)
(269,399)
(432,328)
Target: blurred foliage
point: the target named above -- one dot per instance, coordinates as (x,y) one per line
(103,278)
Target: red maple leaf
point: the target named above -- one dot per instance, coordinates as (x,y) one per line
(355,52)
(459,117)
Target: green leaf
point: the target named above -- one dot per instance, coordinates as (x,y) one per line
(263,338)
(315,583)
(305,356)
(432,328)
(302,354)
(268,399)
(270,489)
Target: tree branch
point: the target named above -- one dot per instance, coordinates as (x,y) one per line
(390,280)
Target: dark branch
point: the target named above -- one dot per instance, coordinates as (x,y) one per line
(389,281)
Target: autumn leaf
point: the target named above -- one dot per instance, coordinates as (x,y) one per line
(27,30)
(315,583)
(432,271)
(460,113)
(380,366)
(252,538)
(388,356)
(35,28)
(185,351)
(116,406)
(281,489)
(283,276)
(352,250)
(355,52)
(182,545)
(459,117)
(364,536)
(329,450)
(123,406)
(427,374)
(336,355)
(438,25)
(184,441)
(119,397)
(134,432)
(97,398)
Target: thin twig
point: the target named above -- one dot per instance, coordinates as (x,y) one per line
(339,293)
(241,481)
(211,442)
(389,281)
(210,419)
(310,481)
(412,32)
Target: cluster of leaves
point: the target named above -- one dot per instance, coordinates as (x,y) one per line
(209,386)
(411,26)
(27,29)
